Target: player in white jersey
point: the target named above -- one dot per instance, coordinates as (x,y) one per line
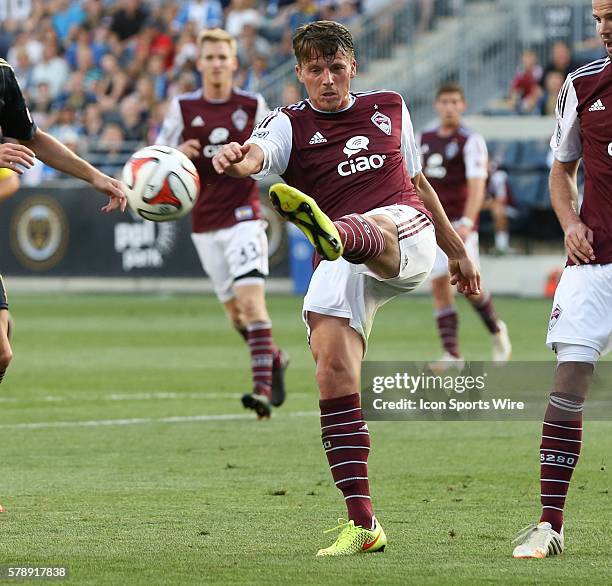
(370,220)
(227,227)
(580,326)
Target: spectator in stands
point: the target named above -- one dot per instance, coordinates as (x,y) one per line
(75,95)
(110,148)
(498,201)
(133,120)
(240,13)
(42,106)
(560,61)
(23,70)
(552,87)
(29,43)
(157,73)
(203,13)
(525,90)
(256,75)
(250,43)
(66,16)
(129,19)
(303,12)
(93,123)
(52,70)
(114,83)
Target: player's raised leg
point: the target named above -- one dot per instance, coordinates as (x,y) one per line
(337,349)
(359,239)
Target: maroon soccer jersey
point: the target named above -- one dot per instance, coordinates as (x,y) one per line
(223,200)
(584,129)
(449,161)
(351,161)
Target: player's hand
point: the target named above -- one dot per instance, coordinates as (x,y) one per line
(463,232)
(229,155)
(192,148)
(578,241)
(15,156)
(465,275)
(112,188)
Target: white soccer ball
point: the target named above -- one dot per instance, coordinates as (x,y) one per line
(161,183)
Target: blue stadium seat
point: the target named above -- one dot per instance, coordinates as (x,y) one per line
(534,155)
(526,188)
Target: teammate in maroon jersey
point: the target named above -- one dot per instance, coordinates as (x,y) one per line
(228,231)
(455,163)
(370,219)
(580,327)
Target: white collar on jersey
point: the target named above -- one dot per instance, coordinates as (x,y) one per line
(352,99)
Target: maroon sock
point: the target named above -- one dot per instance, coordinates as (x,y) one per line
(276,351)
(559,452)
(487,313)
(346,441)
(362,239)
(262,356)
(448,323)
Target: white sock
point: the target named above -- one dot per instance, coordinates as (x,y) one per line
(502,240)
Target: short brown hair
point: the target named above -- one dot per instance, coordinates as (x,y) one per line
(451,87)
(323,38)
(216,35)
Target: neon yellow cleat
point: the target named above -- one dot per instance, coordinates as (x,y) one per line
(303,211)
(354,539)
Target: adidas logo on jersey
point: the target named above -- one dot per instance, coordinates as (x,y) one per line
(197,121)
(597,106)
(317,138)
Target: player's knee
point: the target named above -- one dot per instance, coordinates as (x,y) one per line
(6,355)
(334,371)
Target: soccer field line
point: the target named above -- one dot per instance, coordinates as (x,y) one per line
(162,395)
(149,420)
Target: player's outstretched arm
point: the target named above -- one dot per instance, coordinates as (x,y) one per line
(238,160)
(56,155)
(564,199)
(462,270)
(15,156)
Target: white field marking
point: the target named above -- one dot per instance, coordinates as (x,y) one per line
(147,420)
(126,397)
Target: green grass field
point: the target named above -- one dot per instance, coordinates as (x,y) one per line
(151,497)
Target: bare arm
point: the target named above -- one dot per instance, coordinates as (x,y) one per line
(448,239)
(56,155)
(564,198)
(462,270)
(238,160)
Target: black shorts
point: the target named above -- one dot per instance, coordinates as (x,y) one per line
(3,299)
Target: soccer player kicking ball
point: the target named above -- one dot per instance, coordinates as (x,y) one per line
(228,231)
(580,328)
(455,163)
(370,215)
(16,123)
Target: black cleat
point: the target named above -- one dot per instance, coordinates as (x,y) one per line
(278,380)
(259,403)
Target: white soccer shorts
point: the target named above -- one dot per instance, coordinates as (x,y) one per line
(342,289)
(230,253)
(582,308)
(440,268)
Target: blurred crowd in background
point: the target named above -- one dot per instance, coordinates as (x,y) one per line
(99,74)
